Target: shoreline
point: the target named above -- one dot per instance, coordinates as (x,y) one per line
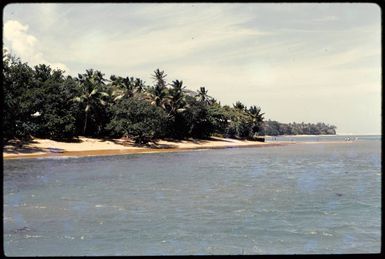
(86,147)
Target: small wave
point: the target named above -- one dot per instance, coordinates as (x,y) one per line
(32,236)
(199,149)
(110,206)
(364,204)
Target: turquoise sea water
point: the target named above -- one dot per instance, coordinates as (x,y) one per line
(295,199)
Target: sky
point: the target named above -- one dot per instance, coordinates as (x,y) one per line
(303,62)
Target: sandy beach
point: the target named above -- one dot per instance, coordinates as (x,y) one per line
(99,147)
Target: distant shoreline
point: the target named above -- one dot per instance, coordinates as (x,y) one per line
(45,148)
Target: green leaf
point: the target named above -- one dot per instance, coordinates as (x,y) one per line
(94,92)
(118,97)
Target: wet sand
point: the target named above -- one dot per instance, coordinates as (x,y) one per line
(102,147)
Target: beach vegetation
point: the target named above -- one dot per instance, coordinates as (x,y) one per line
(46,103)
(138,119)
(92,99)
(275,128)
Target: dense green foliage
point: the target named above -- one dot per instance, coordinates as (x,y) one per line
(44,103)
(138,119)
(37,102)
(274,128)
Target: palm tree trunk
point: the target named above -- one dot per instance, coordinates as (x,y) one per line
(85,124)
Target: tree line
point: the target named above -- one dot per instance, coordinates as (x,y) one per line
(275,128)
(42,102)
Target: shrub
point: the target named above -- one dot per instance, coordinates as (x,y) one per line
(137,118)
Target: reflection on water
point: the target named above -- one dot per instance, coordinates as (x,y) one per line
(315,198)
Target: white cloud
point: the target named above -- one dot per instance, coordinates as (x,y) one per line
(25,45)
(180,37)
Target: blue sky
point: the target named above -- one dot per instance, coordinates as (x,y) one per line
(299,62)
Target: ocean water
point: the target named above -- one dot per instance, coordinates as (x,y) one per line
(295,199)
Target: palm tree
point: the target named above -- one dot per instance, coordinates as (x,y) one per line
(90,85)
(126,87)
(240,106)
(115,89)
(139,85)
(159,78)
(122,87)
(158,94)
(257,116)
(203,97)
(256,112)
(178,102)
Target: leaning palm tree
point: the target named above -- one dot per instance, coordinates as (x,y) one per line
(115,89)
(90,85)
(126,87)
(122,87)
